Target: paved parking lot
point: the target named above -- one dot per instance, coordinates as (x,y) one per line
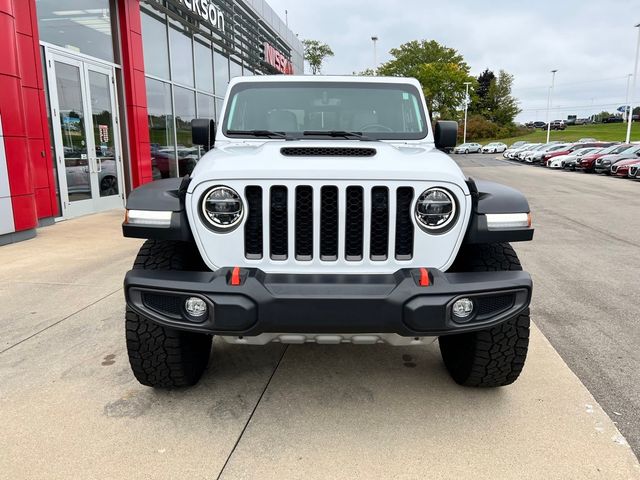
(585,260)
(70,408)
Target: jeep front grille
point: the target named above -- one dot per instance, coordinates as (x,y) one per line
(352,223)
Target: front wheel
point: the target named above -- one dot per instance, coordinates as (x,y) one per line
(466,151)
(163,357)
(493,357)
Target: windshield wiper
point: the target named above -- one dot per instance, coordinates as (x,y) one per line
(258,133)
(338,133)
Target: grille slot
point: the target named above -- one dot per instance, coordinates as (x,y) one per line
(253,226)
(354,224)
(329,223)
(404,225)
(278,228)
(304,223)
(165,304)
(327,152)
(489,306)
(379,223)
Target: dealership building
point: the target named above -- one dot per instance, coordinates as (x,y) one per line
(97,96)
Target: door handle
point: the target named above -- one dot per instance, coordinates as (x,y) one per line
(99,165)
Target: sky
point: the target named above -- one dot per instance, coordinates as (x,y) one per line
(592,43)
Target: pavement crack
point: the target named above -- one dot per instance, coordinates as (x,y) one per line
(253,411)
(59,321)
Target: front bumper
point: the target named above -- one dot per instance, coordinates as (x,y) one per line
(327,303)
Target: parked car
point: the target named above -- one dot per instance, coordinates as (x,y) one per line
(583,121)
(558,125)
(513,147)
(534,147)
(621,168)
(468,148)
(537,156)
(587,162)
(539,124)
(569,160)
(494,147)
(604,163)
(511,153)
(613,119)
(226,256)
(571,148)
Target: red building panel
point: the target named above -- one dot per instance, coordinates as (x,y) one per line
(135,91)
(27,59)
(13,121)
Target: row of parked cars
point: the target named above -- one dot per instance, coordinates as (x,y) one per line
(587,155)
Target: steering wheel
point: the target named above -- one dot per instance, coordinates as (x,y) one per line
(384,128)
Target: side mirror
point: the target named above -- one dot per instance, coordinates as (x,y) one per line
(203,132)
(446,134)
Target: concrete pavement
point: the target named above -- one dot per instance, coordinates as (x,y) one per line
(70,408)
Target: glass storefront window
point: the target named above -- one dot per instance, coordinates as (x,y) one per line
(181,57)
(84,27)
(161,130)
(156,50)
(221,70)
(236,69)
(204,67)
(188,155)
(206,106)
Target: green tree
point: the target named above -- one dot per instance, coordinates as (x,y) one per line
(440,70)
(315,53)
(479,96)
(501,107)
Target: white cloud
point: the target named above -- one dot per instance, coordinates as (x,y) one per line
(590,42)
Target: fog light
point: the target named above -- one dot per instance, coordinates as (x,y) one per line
(462,308)
(196,307)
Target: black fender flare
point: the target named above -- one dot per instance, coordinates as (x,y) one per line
(489,198)
(166,195)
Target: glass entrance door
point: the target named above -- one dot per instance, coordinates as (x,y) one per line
(86,136)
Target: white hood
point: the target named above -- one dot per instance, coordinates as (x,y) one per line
(263,161)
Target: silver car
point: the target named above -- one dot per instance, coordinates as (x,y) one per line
(468,148)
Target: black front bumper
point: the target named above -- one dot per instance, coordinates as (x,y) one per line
(321,303)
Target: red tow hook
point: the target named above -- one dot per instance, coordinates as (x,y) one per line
(424,277)
(235,277)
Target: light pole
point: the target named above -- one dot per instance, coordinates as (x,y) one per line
(374,39)
(633,88)
(553,79)
(626,99)
(466,106)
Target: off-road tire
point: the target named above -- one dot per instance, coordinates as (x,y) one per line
(493,357)
(163,357)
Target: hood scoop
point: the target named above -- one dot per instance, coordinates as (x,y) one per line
(327,152)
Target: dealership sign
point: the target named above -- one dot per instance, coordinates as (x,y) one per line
(206,10)
(277,60)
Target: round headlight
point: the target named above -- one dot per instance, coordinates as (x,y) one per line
(436,210)
(222,208)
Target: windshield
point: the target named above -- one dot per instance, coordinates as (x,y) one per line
(614,149)
(634,149)
(297,109)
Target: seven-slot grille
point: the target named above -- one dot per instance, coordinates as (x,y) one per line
(354,223)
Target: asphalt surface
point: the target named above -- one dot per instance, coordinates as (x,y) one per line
(70,407)
(585,262)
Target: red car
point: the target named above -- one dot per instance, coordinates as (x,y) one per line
(573,147)
(588,162)
(621,169)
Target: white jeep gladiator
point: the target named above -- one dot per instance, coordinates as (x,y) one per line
(324,211)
